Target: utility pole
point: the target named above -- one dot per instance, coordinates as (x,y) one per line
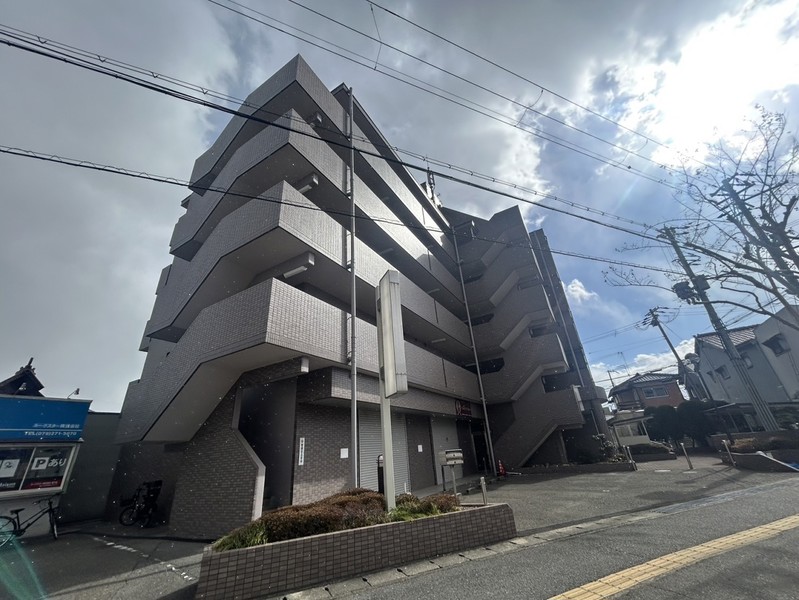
(654,321)
(699,284)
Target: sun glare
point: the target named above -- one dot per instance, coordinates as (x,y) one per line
(721,72)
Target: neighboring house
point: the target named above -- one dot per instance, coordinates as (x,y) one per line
(23,383)
(649,389)
(769,352)
(244,401)
(629,428)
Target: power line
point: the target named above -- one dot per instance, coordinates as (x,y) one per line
(523,78)
(115,170)
(548,137)
(87,55)
(463,79)
(202,102)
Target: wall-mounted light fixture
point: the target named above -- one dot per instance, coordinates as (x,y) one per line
(298,265)
(315,120)
(295,271)
(307,183)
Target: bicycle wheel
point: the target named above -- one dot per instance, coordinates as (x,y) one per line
(53,525)
(128,516)
(7,527)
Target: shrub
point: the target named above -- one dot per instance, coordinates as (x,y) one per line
(368,499)
(346,510)
(651,448)
(252,534)
(406,512)
(404,499)
(300,521)
(443,502)
(770,443)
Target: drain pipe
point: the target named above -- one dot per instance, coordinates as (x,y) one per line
(353,319)
(487,427)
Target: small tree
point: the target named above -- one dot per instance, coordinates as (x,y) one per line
(741,208)
(664,423)
(694,422)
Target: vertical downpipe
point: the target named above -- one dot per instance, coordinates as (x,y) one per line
(476,360)
(353,319)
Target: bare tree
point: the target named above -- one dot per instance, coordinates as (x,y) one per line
(741,218)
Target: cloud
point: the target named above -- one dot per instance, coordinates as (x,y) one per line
(644,362)
(576,292)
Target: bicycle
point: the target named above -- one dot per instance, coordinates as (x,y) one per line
(11,527)
(141,508)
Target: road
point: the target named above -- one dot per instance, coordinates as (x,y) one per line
(564,566)
(573,531)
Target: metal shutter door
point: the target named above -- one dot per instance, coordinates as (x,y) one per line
(370,446)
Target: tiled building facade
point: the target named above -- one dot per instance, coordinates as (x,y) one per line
(247,375)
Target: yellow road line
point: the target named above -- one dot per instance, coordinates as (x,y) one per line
(622,581)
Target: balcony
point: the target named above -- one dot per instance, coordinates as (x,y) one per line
(268,323)
(526,361)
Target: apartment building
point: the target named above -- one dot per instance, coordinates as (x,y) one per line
(244,402)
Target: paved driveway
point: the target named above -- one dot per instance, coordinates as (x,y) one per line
(87,566)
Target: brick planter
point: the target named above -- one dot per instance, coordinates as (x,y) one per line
(274,569)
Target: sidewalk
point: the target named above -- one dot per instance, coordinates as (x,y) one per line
(102,560)
(541,502)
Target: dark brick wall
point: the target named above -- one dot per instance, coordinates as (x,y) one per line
(326,430)
(140,462)
(216,486)
(273,569)
(421,464)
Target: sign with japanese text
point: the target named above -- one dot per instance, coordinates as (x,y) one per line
(34,467)
(41,419)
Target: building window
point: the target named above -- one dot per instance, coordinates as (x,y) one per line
(777,344)
(724,372)
(655,392)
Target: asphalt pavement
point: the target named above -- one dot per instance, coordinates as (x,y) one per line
(600,522)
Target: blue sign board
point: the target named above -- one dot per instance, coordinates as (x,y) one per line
(41,419)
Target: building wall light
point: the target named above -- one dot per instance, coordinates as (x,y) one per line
(295,271)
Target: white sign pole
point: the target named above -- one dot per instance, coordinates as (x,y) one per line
(388,450)
(393,373)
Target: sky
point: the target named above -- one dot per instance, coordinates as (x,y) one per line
(81,251)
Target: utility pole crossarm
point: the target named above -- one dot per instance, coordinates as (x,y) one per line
(655,322)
